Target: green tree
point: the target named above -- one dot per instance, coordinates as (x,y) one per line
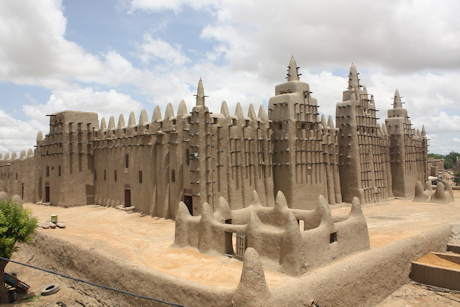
(457,177)
(451,160)
(16,225)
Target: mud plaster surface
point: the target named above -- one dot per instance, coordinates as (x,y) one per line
(146,241)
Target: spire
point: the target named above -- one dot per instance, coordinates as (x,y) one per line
(103,125)
(397,104)
(156,116)
(143,118)
(293,71)
(111,123)
(200,94)
(169,111)
(323,120)
(132,120)
(239,111)
(252,112)
(353,81)
(224,109)
(30,153)
(121,122)
(182,110)
(262,114)
(423,131)
(39,136)
(330,122)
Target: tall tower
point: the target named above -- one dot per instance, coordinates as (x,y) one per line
(201,164)
(362,163)
(300,143)
(408,150)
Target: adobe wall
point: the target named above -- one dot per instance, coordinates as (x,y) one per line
(200,155)
(18,174)
(275,233)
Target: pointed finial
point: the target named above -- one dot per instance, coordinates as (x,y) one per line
(262,113)
(132,120)
(353,81)
(121,122)
(293,71)
(423,131)
(323,120)
(224,109)
(397,104)
(200,94)
(143,118)
(169,111)
(330,122)
(239,111)
(182,110)
(30,153)
(103,125)
(39,136)
(111,123)
(252,112)
(156,116)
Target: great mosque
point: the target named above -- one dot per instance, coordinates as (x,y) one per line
(199,157)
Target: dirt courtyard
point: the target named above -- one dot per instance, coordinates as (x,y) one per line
(146,241)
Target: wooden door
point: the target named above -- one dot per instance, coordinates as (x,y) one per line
(188,201)
(47,194)
(127,198)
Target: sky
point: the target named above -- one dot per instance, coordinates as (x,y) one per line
(116,57)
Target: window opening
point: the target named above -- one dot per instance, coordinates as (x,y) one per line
(333,237)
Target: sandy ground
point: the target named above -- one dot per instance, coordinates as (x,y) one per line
(147,241)
(415,294)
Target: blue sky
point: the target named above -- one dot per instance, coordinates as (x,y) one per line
(114,57)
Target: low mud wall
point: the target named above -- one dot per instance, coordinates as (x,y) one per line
(362,279)
(91,265)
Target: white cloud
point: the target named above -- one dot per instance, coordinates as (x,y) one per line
(15,135)
(106,103)
(156,48)
(33,49)
(163,5)
(408,45)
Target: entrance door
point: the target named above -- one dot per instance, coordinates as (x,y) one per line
(188,201)
(127,198)
(47,194)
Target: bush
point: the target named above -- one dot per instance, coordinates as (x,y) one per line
(16,225)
